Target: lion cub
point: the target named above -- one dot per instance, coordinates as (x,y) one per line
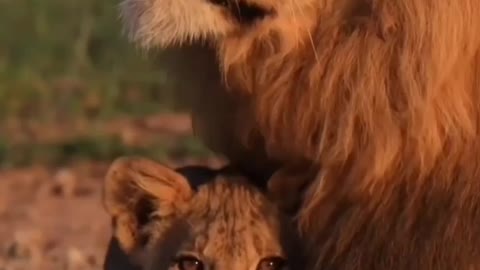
(193,218)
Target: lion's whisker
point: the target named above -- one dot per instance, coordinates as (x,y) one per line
(310,37)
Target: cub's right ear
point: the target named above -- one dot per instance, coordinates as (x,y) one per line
(135,189)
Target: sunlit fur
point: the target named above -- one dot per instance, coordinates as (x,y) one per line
(384,98)
(159,214)
(169,21)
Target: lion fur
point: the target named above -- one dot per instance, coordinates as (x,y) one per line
(382,97)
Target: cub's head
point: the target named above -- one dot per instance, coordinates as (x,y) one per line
(166,23)
(192,219)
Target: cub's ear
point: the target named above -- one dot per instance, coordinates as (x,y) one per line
(134,189)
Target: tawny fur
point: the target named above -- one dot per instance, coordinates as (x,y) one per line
(382,97)
(159,214)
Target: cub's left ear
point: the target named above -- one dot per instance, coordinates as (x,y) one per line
(134,189)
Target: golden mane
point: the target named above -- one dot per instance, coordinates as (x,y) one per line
(383,98)
(395,85)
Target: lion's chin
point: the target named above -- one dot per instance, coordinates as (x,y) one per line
(147,24)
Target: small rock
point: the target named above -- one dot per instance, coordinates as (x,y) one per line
(65,183)
(78,260)
(27,247)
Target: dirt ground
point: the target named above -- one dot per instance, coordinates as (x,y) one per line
(52,218)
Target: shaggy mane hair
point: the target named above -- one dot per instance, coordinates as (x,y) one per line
(381,97)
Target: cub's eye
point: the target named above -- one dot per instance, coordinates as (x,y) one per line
(188,262)
(272,263)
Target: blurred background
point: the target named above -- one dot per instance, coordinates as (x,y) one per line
(74,94)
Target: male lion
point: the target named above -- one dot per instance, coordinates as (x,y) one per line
(380,97)
(194,218)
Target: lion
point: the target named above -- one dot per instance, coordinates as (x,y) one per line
(192,218)
(372,105)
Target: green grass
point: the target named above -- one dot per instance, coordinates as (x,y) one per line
(94,148)
(69,57)
(62,60)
